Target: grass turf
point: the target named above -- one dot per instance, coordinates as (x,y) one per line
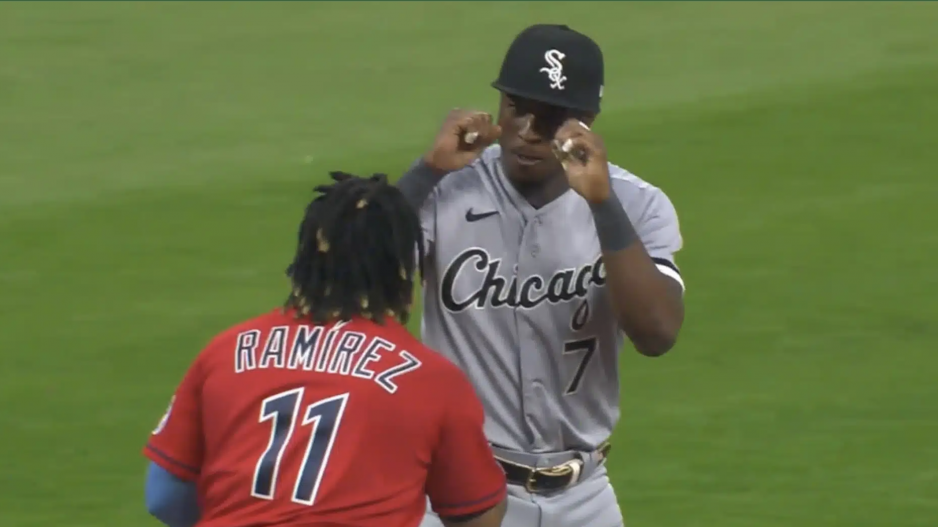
(155,157)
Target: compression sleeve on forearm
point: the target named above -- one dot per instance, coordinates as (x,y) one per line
(613,226)
(170,499)
(417,183)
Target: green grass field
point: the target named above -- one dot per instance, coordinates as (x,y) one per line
(155,159)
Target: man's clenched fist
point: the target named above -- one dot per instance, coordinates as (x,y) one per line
(583,156)
(463,136)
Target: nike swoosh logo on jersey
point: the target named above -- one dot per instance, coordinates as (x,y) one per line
(471,216)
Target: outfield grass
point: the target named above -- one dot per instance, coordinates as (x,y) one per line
(155,158)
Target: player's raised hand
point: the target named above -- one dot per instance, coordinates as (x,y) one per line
(583,156)
(463,136)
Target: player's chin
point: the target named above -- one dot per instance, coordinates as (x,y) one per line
(529,170)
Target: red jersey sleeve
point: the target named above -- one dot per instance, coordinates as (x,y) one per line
(177,443)
(464,477)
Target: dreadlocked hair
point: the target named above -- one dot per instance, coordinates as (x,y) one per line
(357,252)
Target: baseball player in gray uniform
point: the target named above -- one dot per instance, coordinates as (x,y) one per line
(542,257)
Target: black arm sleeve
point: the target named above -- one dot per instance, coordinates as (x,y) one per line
(417,183)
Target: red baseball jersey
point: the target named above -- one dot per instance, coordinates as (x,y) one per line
(283,422)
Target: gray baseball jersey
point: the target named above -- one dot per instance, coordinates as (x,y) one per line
(516,297)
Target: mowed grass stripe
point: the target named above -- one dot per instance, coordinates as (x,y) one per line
(99,97)
(808,354)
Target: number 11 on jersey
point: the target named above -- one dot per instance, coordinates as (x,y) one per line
(282,410)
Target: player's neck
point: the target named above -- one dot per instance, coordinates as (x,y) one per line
(543,192)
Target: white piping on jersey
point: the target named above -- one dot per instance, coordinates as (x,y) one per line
(667,271)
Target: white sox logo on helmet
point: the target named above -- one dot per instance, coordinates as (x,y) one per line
(555,70)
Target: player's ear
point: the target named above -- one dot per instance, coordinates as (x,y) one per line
(504,107)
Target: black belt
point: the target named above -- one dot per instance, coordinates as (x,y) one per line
(548,479)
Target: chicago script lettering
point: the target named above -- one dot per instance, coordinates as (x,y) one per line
(495,290)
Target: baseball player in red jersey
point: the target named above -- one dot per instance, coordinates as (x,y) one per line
(327,412)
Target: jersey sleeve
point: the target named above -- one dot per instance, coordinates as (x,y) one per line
(464,478)
(420,187)
(177,443)
(428,221)
(660,231)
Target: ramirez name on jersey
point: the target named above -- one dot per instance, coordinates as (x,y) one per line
(324,349)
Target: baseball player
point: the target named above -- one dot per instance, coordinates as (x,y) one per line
(328,412)
(541,258)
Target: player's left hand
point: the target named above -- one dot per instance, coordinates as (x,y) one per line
(583,156)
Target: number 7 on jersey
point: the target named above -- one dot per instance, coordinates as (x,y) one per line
(282,410)
(586,347)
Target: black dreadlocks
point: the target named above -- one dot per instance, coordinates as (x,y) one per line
(357,253)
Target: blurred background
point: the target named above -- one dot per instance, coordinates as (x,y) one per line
(155,159)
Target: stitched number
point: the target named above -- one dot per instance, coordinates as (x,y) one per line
(586,347)
(325,416)
(282,410)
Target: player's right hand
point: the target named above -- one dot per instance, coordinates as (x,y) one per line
(463,136)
